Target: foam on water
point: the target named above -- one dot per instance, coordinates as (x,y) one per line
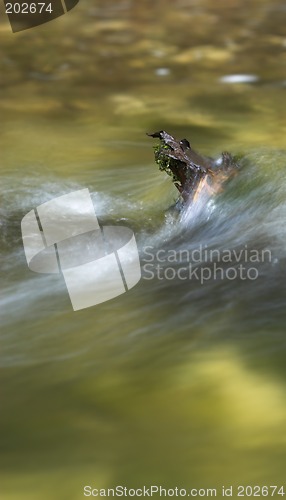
(250,214)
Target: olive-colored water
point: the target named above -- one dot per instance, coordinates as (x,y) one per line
(174,383)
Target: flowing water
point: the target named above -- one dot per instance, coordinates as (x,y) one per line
(177,382)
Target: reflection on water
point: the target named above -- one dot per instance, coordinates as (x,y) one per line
(173,383)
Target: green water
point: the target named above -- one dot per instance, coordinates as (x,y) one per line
(173,383)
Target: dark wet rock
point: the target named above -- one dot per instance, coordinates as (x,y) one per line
(192,172)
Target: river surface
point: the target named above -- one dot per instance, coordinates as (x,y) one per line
(176,383)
